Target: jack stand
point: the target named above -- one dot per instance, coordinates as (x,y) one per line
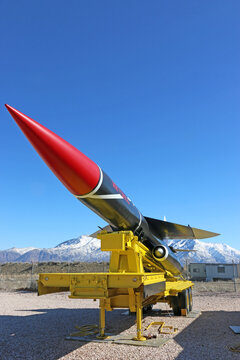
(139,336)
(133,274)
(102,321)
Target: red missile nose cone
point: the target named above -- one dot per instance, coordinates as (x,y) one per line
(76,171)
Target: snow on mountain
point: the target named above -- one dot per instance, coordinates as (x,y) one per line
(13,254)
(87,249)
(22,251)
(205,252)
(84,248)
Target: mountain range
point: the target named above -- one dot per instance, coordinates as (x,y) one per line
(87,249)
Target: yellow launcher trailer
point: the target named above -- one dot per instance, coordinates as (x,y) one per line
(135,280)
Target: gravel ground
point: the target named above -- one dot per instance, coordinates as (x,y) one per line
(34,327)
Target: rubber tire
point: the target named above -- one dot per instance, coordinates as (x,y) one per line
(184,300)
(147,309)
(174,301)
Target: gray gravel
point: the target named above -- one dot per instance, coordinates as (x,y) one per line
(34,327)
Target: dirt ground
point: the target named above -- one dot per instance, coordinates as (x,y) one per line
(15,276)
(33,327)
(12,268)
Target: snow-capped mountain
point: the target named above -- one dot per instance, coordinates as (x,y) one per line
(11,255)
(83,249)
(205,252)
(87,249)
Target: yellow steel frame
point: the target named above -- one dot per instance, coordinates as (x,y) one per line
(131,268)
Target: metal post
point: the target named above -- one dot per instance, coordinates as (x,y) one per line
(139,336)
(102,318)
(31,283)
(234,277)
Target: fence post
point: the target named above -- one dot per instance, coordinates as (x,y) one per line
(234,277)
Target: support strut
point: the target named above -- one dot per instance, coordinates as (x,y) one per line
(139,336)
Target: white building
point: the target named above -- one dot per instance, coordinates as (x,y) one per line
(221,272)
(214,271)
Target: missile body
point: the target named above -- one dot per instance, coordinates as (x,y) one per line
(111,204)
(93,187)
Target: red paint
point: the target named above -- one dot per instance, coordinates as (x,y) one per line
(76,171)
(121,192)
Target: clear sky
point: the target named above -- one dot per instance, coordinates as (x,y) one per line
(149,90)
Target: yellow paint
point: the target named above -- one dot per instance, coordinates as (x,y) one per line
(123,285)
(163,329)
(139,336)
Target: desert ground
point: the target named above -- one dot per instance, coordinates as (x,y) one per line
(15,276)
(33,327)
(24,276)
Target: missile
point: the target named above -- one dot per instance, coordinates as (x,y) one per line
(94,188)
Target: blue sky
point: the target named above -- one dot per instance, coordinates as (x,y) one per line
(147,89)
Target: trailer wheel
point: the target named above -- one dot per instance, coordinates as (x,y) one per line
(184,300)
(147,309)
(174,302)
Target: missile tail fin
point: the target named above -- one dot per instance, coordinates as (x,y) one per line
(167,230)
(107,228)
(181,250)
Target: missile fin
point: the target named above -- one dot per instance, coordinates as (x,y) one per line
(181,250)
(167,230)
(107,228)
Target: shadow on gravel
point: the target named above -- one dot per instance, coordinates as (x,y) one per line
(209,336)
(42,335)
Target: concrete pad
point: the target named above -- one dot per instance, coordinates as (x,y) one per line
(122,339)
(193,314)
(127,340)
(169,313)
